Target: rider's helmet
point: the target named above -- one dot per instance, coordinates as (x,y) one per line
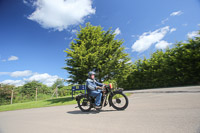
(91,73)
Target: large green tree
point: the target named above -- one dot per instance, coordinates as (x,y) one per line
(97,49)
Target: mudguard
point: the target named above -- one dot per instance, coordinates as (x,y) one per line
(110,99)
(118,90)
(81,96)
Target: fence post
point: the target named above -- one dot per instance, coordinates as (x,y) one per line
(53,94)
(36,94)
(11,101)
(72,93)
(56,92)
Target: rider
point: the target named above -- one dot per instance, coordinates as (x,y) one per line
(93,88)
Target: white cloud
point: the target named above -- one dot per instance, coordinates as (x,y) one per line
(130,61)
(71,38)
(74,31)
(28,2)
(199,25)
(45,78)
(4,73)
(117,31)
(21,73)
(133,35)
(13,82)
(126,48)
(185,24)
(25,2)
(149,38)
(162,44)
(12,58)
(176,13)
(60,14)
(121,60)
(18,73)
(172,30)
(165,20)
(193,34)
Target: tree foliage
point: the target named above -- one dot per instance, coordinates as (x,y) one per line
(29,89)
(27,92)
(58,83)
(174,67)
(97,49)
(5,93)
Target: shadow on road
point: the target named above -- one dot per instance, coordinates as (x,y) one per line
(90,112)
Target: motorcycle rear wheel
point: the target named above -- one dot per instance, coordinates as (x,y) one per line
(84,104)
(119,101)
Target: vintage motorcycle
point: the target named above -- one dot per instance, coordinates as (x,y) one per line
(114,97)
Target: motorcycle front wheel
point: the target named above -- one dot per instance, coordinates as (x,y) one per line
(119,101)
(84,104)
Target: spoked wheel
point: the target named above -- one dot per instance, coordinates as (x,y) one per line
(84,104)
(119,101)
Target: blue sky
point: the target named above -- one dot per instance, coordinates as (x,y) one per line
(34,33)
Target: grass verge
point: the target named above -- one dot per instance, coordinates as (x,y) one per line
(38,104)
(42,103)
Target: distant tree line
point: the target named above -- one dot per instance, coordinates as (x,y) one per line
(27,92)
(178,66)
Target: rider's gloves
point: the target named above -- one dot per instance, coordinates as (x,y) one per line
(98,87)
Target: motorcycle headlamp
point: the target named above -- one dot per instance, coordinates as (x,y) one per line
(110,85)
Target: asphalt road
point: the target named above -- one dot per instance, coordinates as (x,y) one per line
(169,110)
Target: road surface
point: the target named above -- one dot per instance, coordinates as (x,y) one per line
(168,110)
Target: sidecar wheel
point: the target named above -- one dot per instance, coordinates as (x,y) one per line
(84,104)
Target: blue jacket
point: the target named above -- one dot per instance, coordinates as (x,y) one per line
(91,85)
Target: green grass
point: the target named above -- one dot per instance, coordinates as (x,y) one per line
(38,104)
(128,94)
(120,96)
(42,103)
